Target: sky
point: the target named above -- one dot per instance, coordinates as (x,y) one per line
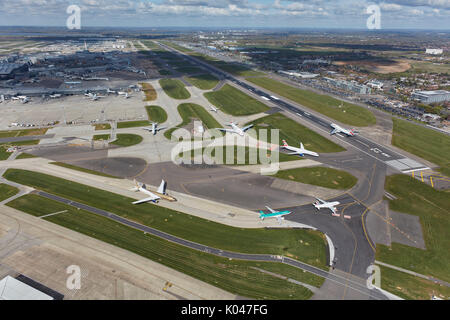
(395,14)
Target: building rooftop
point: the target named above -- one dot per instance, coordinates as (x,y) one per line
(13,289)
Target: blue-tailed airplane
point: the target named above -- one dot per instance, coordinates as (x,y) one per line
(274,214)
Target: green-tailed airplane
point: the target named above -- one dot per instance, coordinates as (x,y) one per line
(274,214)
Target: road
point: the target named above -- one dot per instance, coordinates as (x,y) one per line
(337,279)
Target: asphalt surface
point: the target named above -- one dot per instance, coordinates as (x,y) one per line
(364,145)
(362,289)
(26,138)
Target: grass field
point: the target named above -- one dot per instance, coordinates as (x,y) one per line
(204,81)
(190,112)
(99,137)
(127,140)
(349,114)
(410,287)
(102,126)
(235,276)
(190,70)
(305,245)
(25,156)
(165,72)
(235,102)
(175,89)
(149,91)
(425,143)
(432,206)
(156,114)
(23,133)
(70,166)
(3,154)
(132,124)
(294,133)
(7,191)
(320,176)
(245,155)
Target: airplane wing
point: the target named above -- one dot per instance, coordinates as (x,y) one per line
(270,209)
(280,219)
(334,131)
(320,200)
(153,198)
(161,128)
(247,127)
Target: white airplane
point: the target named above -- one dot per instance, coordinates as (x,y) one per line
(2,98)
(93,96)
(24,99)
(298,151)
(338,129)
(236,129)
(154,129)
(153,197)
(125,94)
(213,109)
(321,204)
(55,96)
(111,91)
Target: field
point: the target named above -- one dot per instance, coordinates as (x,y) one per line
(239,277)
(204,81)
(410,287)
(320,176)
(190,70)
(99,137)
(25,156)
(149,91)
(341,111)
(156,114)
(235,102)
(69,166)
(132,124)
(175,89)
(23,133)
(425,143)
(3,154)
(7,191)
(102,126)
(305,245)
(245,155)
(432,206)
(190,112)
(294,133)
(127,140)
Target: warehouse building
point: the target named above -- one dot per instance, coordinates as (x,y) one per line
(428,97)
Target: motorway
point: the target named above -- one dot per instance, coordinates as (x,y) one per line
(364,145)
(361,288)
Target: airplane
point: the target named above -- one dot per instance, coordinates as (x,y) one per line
(319,204)
(213,109)
(111,91)
(55,96)
(298,151)
(273,214)
(236,129)
(125,94)
(2,98)
(154,129)
(24,99)
(153,196)
(93,96)
(338,129)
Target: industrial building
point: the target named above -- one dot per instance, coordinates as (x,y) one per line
(8,70)
(349,86)
(434,51)
(428,97)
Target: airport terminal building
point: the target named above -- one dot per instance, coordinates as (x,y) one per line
(431,96)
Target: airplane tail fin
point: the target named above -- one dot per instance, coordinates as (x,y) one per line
(162,188)
(285,143)
(302,146)
(261,215)
(136,188)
